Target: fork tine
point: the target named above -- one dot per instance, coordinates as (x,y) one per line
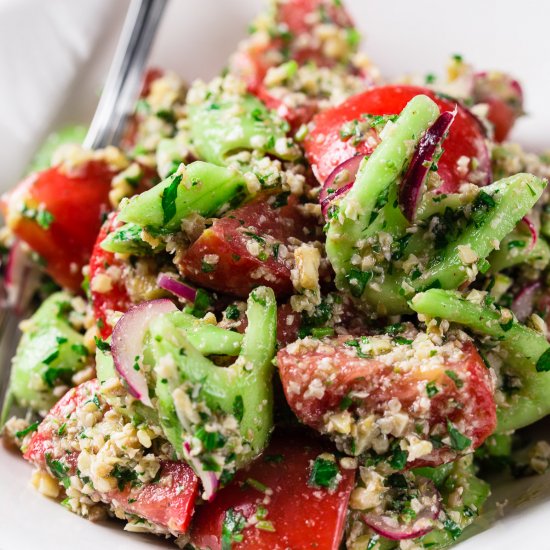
(9,337)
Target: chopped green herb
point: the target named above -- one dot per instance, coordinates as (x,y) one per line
(232,312)
(455,378)
(58,470)
(431,389)
(124,476)
(200,305)
(395,328)
(80,349)
(29,429)
(322,332)
(358,280)
(232,527)
(255,484)
(373,542)
(323,473)
(398,460)
(238,407)
(346,402)
(51,357)
(543,363)
(459,442)
(452,528)
(207,268)
(516,244)
(168,199)
(210,440)
(44,218)
(102,345)
(265,526)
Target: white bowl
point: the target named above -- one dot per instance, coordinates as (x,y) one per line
(53,58)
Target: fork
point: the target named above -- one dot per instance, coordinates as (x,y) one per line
(107,127)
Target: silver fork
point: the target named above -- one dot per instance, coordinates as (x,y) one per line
(107,127)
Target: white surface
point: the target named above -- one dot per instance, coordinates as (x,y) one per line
(53,57)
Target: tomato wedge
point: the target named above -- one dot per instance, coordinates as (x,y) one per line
(331,376)
(327,147)
(168,503)
(275,489)
(59,215)
(292,36)
(503,96)
(112,294)
(248,248)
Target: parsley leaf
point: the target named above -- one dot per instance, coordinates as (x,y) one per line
(232,527)
(459,442)
(399,459)
(29,429)
(102,345)
(124,476)
(543,364)
(358,280)
(168,199)
(454,377)
(323,473)
(238,407)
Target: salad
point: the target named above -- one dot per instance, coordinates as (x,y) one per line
(298,306)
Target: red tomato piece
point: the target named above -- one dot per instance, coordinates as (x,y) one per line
(116,298)
(503,96)
(463,391)
(73,205)
(247,245)
(502,117)
(326,148)
(168,503)
(298,19)
(301,516)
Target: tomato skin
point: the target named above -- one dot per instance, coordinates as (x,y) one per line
(298,17)
(117,298)
(503,96)
(471,404)
(325,149)
(168,503)
(77,202)
(303,516)
(502,117)
(237,270)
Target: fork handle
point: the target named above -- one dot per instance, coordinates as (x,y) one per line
(125,74)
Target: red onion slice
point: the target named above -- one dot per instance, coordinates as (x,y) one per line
(180,289)
(411,186)
(210,481)
(392,529)
(339,185)
(524,301)
(533,230)
(127,344)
